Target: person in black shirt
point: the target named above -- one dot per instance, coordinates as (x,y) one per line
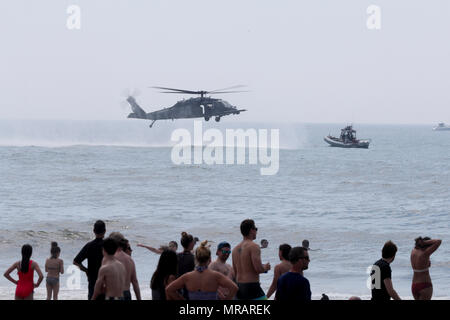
(293,285)
(92,251)
(186,260)
(382,289)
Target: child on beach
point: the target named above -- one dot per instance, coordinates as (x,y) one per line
(54,267)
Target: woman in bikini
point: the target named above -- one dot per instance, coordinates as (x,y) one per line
(25,270)
(202,283)
(422,288)
(54,267)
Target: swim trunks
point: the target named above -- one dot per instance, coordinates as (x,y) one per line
(127,295)
(250,291)
(202,295)
(114,298)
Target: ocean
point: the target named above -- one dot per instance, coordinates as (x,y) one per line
(58,177)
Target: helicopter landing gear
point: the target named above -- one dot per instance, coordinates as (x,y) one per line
(151,124)
(206,118)
(217,119)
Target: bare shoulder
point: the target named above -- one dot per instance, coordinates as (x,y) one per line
(171,278)
(254,247)
(120,264)
(104,268)
(218,275)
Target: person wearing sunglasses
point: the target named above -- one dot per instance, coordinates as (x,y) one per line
(247,264)
(293,285)
(220,265)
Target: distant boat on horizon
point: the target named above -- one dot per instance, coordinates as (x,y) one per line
(441,127)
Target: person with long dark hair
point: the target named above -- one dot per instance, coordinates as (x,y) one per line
(422,288)
(54,266)
(25,270)
(165,273)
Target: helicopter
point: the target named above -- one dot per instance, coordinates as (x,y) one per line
(198,107)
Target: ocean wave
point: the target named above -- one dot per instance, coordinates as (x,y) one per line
(67,133)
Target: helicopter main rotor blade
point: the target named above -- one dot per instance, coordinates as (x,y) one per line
(177,90)
(200,92)
(228,88)
(216,92)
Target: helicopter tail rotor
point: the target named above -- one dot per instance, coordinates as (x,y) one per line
(131,92)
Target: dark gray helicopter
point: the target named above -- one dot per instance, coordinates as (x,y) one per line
(200,107)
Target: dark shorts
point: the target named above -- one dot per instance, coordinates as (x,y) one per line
(91,287)
(127,295)
(115,298)
(250,291)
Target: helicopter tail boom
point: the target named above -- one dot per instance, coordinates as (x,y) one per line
(138,112)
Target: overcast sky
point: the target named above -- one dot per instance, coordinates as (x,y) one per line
(304,61)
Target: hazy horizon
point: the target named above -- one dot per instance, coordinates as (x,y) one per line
(302,61)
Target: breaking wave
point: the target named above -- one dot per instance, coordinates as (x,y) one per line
(124,133)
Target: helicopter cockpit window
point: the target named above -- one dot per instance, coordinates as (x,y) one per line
(226,104)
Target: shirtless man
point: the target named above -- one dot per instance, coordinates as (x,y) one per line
(111,276)
(129,265)
(281,268)
(247,264)
(220,265)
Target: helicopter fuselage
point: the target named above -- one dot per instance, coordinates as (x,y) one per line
(200,107)
(194,108)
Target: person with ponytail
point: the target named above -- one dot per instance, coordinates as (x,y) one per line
(186,260)
(54,267)
(25,271)
(202,283)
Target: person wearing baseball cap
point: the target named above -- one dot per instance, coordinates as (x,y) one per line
(223,253)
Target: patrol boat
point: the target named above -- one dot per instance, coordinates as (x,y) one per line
(347,139)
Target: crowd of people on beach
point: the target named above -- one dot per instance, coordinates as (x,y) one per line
(192,275)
